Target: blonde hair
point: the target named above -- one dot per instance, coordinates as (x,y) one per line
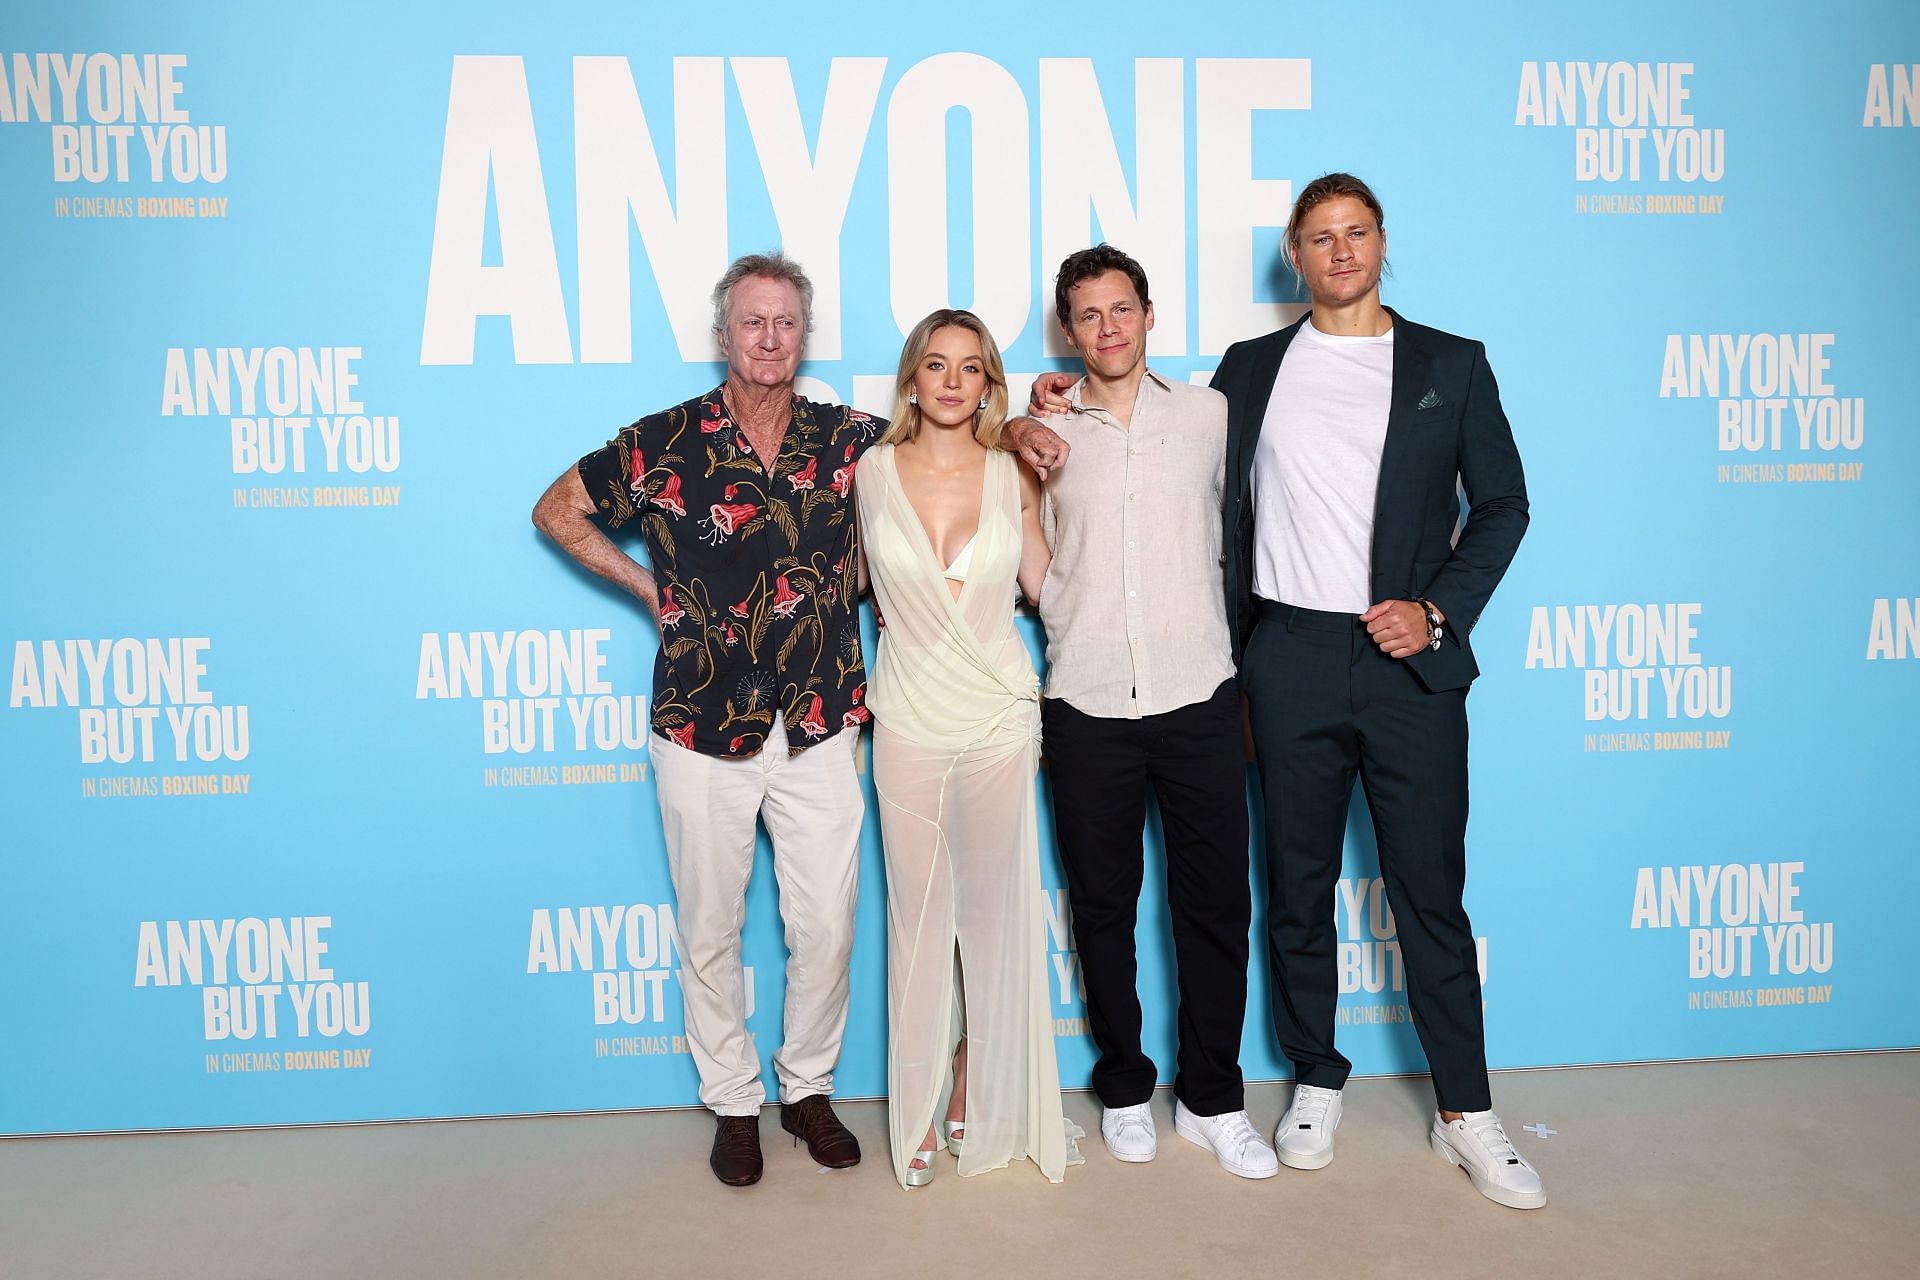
(1329,186)
(989,422)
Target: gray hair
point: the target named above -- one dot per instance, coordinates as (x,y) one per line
(768,266)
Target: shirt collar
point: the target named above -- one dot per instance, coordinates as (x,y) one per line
(1073,392)
(805,421)
(803,430)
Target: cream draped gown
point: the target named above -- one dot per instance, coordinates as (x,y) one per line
(956,744)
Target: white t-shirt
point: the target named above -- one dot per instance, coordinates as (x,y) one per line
(1316,471)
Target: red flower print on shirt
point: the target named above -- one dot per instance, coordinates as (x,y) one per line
(804,477)
(683,735)
(813,724)
(785,598)
(668,499)
(670,613)
(725,517)
(843,481)
(741,610)
(638,470)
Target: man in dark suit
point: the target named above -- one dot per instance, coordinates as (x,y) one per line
(1350,600)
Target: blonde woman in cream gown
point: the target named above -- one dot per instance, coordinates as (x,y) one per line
(949,523)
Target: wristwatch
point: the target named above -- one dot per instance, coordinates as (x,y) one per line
(1435,628)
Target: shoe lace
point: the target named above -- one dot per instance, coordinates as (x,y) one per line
(1486,1127)
(813,1116)
(738,1134)
(1131,1118)
(1310,1105)
(1238,1129)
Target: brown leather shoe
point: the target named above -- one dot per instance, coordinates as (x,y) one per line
(811,1120)
(736,1157)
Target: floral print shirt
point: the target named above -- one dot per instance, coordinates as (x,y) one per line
(758,572)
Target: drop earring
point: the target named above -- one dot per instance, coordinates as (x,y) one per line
(913,397)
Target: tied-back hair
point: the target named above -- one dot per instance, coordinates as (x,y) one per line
(1329,186)
(989,422)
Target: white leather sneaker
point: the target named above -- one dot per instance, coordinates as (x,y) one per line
(1235,1143)
(1478,1144)
(1128,1133)
(1304,1138)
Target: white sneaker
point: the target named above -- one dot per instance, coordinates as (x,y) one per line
(1304,1138)
(1235,1143)
(1128,1132)
(1478,1144)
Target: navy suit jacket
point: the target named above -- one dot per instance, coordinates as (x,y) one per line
(1445,422)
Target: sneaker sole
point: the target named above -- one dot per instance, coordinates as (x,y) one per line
(1124,1157)
(1498,1194)
(1198,1139)
(1294,1160)
(1302,1160)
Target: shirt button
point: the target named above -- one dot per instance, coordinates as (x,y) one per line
(1131,594)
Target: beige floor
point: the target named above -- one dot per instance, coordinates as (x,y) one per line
(1793,1167)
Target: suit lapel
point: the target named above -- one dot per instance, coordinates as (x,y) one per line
(1412,369)
(1263,369)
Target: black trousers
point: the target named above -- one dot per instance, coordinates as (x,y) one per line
(1100,769)
(1326,705)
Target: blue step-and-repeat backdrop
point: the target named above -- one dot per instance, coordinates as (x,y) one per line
(326,779)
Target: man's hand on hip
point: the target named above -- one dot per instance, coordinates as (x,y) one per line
(1399,627)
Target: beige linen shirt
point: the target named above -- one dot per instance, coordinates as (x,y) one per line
(1136,622)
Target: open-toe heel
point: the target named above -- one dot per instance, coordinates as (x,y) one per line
(921,1177)
(956,1134)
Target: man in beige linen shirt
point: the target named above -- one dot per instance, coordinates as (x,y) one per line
(1132,626)
(1141,691)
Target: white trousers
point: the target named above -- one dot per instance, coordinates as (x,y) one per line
(812,805)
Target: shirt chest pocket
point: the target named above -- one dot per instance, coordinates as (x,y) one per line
(1169,462)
